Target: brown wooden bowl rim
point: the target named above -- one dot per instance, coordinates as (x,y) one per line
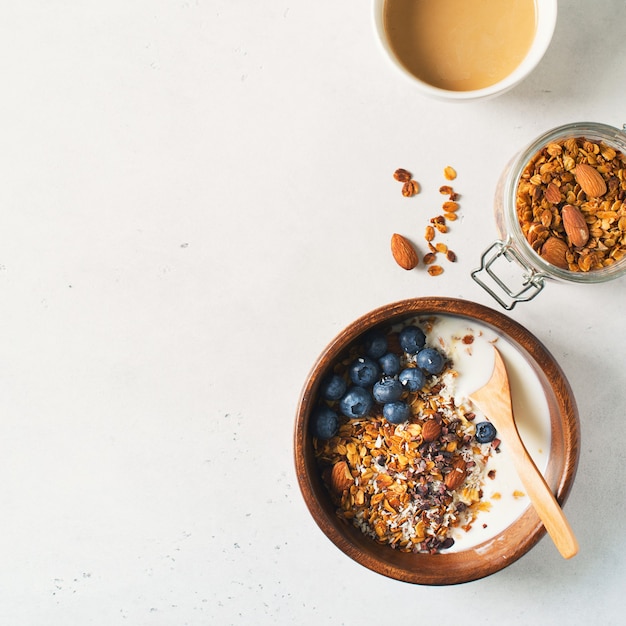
(475,564)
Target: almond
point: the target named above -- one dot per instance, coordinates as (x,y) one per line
(340,477)
(553,251)
(456,477)
(575,225)
(552,194)
(431,430)
(590,180)
(403,252)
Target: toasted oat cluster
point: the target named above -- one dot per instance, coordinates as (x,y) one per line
(407,485)
(571,204)
(404,252)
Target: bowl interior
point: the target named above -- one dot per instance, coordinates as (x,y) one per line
(498,551)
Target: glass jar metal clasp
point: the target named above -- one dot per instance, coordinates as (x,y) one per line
(503,280)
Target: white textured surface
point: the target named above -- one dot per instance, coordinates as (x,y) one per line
(196,197)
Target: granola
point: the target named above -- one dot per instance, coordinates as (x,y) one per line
(411,187)
(408,485)
(550,182)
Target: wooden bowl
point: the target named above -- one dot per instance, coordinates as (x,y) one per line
(501,550)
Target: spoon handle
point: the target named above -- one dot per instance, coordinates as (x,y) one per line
(542,498)
(494,399)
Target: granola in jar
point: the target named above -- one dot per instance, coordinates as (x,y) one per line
(571,204)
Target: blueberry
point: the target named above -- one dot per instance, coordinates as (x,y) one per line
(333,387)
(485,432)
(324,423)
(396,412)
(390,364)
(356,402)
(430,360)
(375,344)
(412,378)
(364,372)
(412,339)
(387,390)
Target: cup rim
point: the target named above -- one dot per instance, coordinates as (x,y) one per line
(546,17)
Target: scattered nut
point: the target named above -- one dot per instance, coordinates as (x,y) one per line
(403,252)
(402,175)
(410,188)
(402,249)
(450,207)
(449,173)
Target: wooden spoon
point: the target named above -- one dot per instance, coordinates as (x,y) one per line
(494,400)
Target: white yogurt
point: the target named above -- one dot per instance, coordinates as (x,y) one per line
(474,362)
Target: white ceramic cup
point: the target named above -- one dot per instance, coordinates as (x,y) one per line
(546,14)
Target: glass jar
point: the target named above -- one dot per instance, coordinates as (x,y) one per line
(511,270)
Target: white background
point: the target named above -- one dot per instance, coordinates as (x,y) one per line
(195,198)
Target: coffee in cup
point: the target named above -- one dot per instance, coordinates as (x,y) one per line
(465,48)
